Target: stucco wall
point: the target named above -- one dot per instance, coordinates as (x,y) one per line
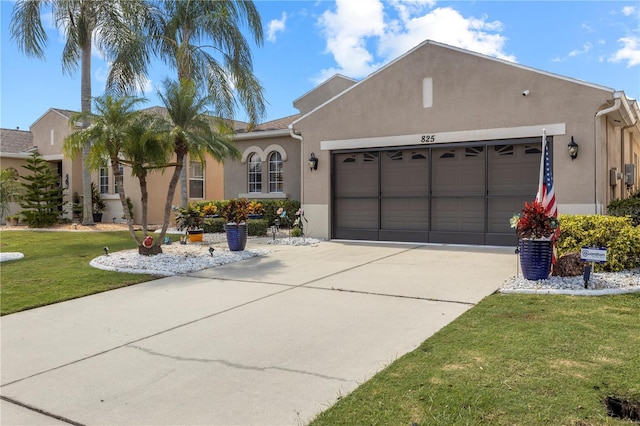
(236,171)
(468,92)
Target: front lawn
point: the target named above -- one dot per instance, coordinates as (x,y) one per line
(510,360)
(56,267)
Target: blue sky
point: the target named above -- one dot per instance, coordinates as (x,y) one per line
(308,41)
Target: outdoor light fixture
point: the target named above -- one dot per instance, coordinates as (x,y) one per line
(313,162)
(573,149)
(66,181)
(106,250)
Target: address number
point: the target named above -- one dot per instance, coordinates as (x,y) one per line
(428,138)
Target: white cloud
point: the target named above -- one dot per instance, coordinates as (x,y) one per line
(408,8)
(346,31)
(630,52)
(585,48)
(362,37)
(276,26)
(628,10)
(447,25)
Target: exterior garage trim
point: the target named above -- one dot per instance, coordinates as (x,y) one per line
(446,137)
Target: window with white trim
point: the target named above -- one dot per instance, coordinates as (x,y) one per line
(116,190)
(255,173)
(104,179)
(196,179)
(275,172)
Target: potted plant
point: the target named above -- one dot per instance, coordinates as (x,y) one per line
(236,213)
(97,203)
(210,210)
(190,219)
(535,229)
(255,210)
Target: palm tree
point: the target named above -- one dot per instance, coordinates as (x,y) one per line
(125,137)
(117,25)
(194,132)
(146,148)
(204,42)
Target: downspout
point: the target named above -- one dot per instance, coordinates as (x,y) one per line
(597,126)
(298,136)
(624,191)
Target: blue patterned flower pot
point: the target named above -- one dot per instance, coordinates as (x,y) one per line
(237,236)
(535,259)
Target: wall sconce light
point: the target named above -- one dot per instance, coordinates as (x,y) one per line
(573,149)
(313,162)
(66,181)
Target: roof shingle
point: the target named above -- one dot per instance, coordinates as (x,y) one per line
(15,141)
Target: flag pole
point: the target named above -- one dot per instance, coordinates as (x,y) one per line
(541,178)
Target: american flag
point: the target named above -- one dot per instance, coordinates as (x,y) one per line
(546,194)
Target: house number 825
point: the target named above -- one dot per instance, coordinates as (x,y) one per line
(428,138)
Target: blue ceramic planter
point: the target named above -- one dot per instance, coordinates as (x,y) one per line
(237,236)
(535,259)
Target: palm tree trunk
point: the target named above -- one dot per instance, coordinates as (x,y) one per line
(144,199)
(183,184)
(123,199)
(85,104)
(170,193)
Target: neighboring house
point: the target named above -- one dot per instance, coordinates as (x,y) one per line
(46,135)
(442,145)
(15,146)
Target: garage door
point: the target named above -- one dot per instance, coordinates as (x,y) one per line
(462,193)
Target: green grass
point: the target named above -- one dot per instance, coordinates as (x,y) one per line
(510,360)
(56,267)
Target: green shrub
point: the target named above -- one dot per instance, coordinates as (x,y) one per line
(212,226)
(628,207)
(616,234)
(269,207)
(271,211)
(256,227)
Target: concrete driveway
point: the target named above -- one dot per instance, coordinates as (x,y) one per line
(268,341)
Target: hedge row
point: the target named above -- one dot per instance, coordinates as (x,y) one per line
(256,227)
(616,234)
(629,207)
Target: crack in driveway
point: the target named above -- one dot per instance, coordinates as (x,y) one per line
(237,365)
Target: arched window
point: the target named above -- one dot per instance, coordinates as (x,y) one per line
(255,173)
(275,172)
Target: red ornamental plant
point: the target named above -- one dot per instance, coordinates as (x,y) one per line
(534,222)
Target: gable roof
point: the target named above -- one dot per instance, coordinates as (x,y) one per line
(464,51)
(15,141)
(65,113)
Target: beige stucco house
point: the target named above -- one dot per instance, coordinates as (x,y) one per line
(46,135)
(444,145)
